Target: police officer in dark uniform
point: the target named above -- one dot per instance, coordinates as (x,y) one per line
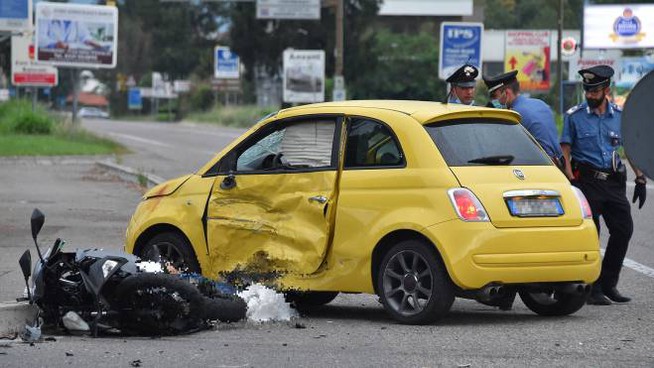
(590,142)
(462,83)
(537,117)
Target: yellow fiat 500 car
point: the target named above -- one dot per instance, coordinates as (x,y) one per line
(418,202)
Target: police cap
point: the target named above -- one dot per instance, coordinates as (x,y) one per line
(501,80)
(464,76)
(599,75)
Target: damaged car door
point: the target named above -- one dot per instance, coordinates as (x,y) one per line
(272,205)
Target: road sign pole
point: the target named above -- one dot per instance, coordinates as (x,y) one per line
(339,37)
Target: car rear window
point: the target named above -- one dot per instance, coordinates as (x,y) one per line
(472,142)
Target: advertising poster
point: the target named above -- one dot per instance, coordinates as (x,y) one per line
(304,76)
(528,51)
(632,69)
(460,44)
(76,35)
(15,15)
(25,71)
(625,26)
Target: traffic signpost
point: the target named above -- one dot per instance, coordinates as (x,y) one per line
(460,44)
(15,15)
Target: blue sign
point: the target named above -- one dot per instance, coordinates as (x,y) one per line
(134,100)
(15,14)
(227,64)
(460,44)
(14,9)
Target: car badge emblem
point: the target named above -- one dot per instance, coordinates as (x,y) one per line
(519,174)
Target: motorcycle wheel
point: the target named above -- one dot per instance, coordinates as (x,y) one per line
(158,304)
(225,308)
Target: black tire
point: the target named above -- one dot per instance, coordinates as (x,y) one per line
(226,308)
(413,284)
(171,248)
(158,304)
(308,299)
(553,303)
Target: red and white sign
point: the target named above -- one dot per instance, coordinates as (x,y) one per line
(24,70)
(528,51)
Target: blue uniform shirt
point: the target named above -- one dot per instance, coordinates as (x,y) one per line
(538,119)
(593,138)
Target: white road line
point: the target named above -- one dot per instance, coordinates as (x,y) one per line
(638,267)
(139,139)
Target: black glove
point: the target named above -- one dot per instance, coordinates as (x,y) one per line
(640,191)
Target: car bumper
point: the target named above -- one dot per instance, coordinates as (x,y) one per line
(477,254)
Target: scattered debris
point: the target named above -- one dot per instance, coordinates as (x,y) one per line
(135,363)
(73,322)
(149,266)
(11,336)
(299,325)
(627,340)
(31,333)
(69,354)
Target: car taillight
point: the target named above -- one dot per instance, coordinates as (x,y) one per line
(466,205)
(583,203)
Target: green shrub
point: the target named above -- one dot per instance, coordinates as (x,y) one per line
(201,98)
(17,117)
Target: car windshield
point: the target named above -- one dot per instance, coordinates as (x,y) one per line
(474,142)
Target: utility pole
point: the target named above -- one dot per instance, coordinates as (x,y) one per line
(559,59)
(339,38)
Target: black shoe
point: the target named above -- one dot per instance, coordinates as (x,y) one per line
(613,294)
(598,298)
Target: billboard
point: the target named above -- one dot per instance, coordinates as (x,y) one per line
(288,9)
(460,44)
(24,70)
(304,75)
(226,64)
(625,26)
(632,69)
(528,51)
(15,15)
(76,35)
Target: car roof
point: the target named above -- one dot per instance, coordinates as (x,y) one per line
(424,112)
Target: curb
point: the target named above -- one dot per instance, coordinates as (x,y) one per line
(130,174)
(14,315)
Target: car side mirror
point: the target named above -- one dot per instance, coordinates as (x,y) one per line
(228,182)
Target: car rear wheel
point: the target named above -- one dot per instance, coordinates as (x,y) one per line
(413,284)
(171,249)
(553,303)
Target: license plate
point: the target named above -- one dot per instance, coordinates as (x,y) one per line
(535,207)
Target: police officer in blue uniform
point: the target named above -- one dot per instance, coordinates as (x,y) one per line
(590,142)
(462,83)
(537,117)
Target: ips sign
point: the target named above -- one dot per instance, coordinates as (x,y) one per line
(460,44)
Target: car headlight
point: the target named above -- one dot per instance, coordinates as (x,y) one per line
(108,266)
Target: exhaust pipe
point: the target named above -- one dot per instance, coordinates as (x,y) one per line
(577,288)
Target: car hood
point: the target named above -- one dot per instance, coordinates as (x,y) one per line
(166,188)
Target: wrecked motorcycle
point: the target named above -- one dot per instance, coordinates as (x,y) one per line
(107,290)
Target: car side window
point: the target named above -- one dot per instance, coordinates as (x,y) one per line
(294,146)
(371,144)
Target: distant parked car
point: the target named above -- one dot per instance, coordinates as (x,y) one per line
(92,112)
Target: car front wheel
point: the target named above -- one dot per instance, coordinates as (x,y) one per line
(171,249)
(553,303)
(413,285)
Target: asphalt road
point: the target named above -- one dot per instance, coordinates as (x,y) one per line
(352,331)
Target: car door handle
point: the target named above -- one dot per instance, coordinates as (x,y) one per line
(319,198)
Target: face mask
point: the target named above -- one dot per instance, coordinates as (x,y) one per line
(594,103)
(497,104)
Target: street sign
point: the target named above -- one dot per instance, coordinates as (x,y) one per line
(304,75)
(227,64)
(15,15)
(226,85)
(134,100)
(528,51)
(4,95)
(460,44)
(182,86)
(24,70)
(338,94)
(288,9)
(76,35)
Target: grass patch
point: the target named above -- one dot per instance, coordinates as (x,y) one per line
(233,116)
(27,132)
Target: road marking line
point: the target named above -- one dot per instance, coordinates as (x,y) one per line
(638,267)
(139,139)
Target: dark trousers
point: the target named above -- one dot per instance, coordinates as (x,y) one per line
(608,198)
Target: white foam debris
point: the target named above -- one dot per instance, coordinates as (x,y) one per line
(265,304)
(149,266)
